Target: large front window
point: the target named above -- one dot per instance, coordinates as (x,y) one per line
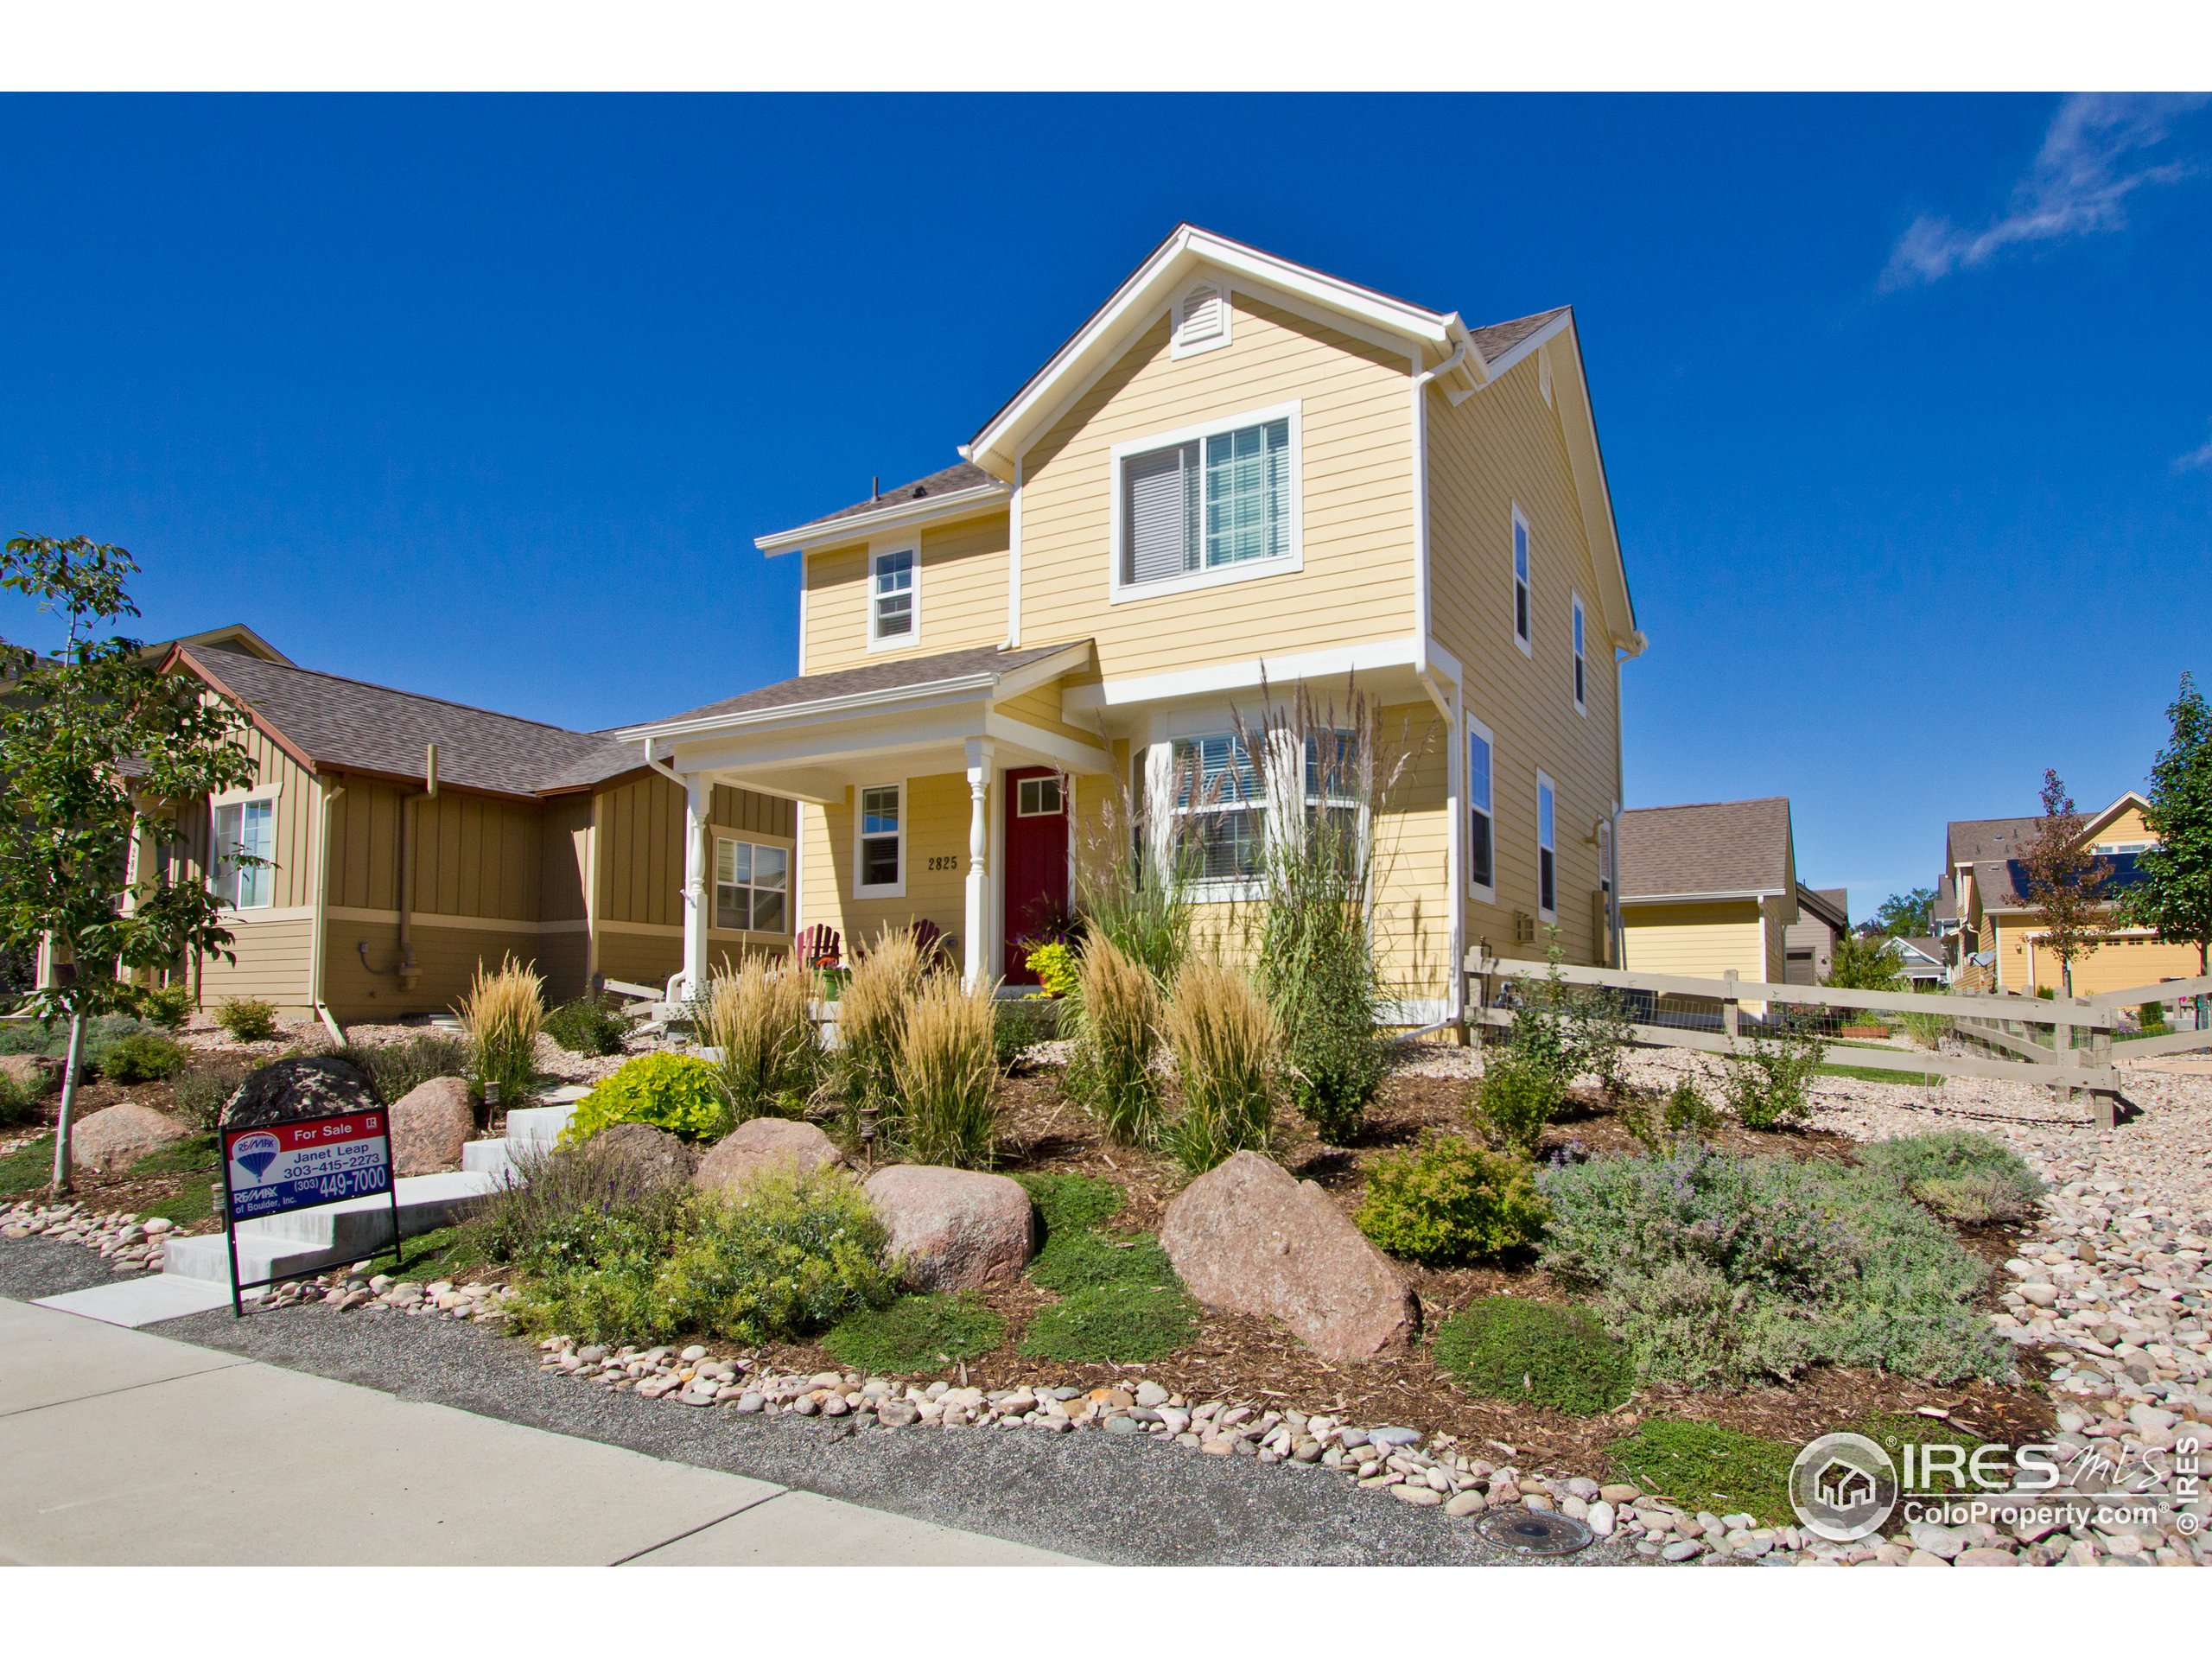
(245,831)
(1218,788)
(751,885)
(1209,503)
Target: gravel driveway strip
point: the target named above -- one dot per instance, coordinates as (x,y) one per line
(1108,1498)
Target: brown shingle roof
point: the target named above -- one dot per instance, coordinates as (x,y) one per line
(1713,847)
(1831,905)
(1494,340)
(962,475)
(343,724)
(898,674)
(1969,841)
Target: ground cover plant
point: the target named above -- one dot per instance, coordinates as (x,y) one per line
(1964,1176)
(1707,1466)
(1448,1202)
(1718,1270)
(503,1013)
(761,1018)
(1658,1121)
(1768,1076)
(1113,1323)
(247,1018)
(1511,1348)
(680,1093)
(915,1333)
(394,1070)
(589,1025)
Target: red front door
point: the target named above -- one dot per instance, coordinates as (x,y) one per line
(1036,875)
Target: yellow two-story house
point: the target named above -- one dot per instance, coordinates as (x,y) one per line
(1238,475)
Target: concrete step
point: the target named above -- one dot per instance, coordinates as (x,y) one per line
(309,1240)
(494,1158)
(541,1125)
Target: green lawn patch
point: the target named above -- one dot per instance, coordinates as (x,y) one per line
(1705,1466)
(1122,1325)
(194,1204)
(1509,1348)
(28,1168)
(1073,1261)
(439,1253)
(915,1333)
(1872,1074)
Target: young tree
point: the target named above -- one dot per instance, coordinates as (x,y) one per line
(2173,890)
(98,753)
(1864,961)
(1908,915)
(2066,880)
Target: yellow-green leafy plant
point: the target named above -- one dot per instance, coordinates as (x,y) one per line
(1055,966)
(680,1093)
(761,1018)
(786,1257)
(1225,1041)
(872,1020)
(502,1014)
(1449,1201)
(1117,1029)
(946,1073)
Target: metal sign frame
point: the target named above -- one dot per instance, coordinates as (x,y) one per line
(223,1143)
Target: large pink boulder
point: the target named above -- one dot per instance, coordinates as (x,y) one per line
(753,1148)
(1249,1237)
(430,1123)
(954,1229)
(112,1141)
(32,1073)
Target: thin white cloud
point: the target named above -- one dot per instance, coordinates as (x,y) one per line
(2197,459)
(2094,157)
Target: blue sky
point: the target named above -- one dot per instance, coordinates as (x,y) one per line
(1907,402)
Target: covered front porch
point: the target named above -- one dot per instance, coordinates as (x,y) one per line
(936,789)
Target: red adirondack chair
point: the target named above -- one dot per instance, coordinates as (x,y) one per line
(820,947)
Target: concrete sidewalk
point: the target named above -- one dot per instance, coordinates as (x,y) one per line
(121,1447)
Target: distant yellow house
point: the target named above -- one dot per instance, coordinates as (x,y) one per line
(1710,887)
(2001,932)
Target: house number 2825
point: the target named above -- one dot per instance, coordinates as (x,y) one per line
(952,863)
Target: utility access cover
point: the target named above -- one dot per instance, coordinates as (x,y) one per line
(1534,1532)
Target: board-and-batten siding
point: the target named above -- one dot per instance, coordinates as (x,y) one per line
(961,587)
(474,854)
(1502,447)
(1356,582)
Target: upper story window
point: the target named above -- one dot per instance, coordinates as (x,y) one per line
(892,616)
(245,830)
(1546,848)
(2121,847)
(1218,787)
(1482,818)
(1201,320)
(1524,622)
(1207,505)
(751,885)
(1581,673)
(881,843)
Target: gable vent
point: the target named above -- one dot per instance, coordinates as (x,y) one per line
(1201,318)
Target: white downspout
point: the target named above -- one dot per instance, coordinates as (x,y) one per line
(1013,564)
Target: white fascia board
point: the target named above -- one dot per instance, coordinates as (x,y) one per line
(1245,675)
(942,728)
(1699,898)
(1057,747)
(1146,288)
(891,516)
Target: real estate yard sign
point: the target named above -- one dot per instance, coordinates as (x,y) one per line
(305,1165)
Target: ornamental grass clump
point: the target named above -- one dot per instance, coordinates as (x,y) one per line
(503,1013)
(761,1018)
(1142,904)
(1448,1202)
(872,1020)
(1724,1271)
(1963,1176)
(1225,1041)
(1116,1030)
(946,1073)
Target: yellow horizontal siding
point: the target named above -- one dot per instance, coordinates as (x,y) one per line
(1696,941)
(937,826)
(962,596)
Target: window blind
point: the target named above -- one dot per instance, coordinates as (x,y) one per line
(1160,513)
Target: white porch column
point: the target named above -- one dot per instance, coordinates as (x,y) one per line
(978,947)
(698,802)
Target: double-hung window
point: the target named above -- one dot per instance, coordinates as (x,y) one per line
(882,841)
(1216,502)
(245,831)
(1523,623)
(1335,786)
(752,886)
(891,619)
(1546,848)
(1581,680)
(1482,820)
(1218,789)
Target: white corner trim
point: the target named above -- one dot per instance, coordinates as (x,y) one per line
(1014,562)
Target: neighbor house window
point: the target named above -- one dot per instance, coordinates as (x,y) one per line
(1213,501)
(1546,848)
(751,883)
(1037,798)
(883,840)
(1581,684)
(1523,625)
(1218,789)
(891,596)
(1482,823)
(245,830)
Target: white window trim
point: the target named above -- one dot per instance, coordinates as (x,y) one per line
(721,834)
(1578,642)
(1119,593)
(878,551)
(1544,783)
(1519,532)
(241,798)
(888,890)
(1177,348)
(1476,728)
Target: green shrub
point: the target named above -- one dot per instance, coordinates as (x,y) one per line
(395,1068)
(1568,1030)
(1055,966)
(548,1218)
(680,1093)
(1515,1101)
(167,1005)
(17,1103)
(1705,1466)
(1113,1324)
(1509,1348)
(1224,1039)
(144,1057)
(2151,1018)
(1449,1201)
(1769,1079)
(1657,1123)
(247,1018)
(28,1037)
(1022,1023)
(1720,1270)
(915,1333)
(589,1025)
(783,1259)
(2048,992)
(204,1087)
(1958,1173)
(1864,961)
